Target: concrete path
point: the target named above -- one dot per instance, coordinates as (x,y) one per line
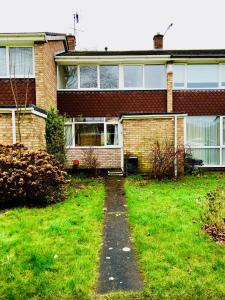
(118,267)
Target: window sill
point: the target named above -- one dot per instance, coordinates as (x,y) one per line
(107,90)
(94,147)
(18,77)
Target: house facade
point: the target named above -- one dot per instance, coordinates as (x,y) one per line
(119,103)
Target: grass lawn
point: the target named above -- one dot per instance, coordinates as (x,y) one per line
(177,260)
(53,252)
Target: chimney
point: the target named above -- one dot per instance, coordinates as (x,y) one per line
(71,41)
(158,41)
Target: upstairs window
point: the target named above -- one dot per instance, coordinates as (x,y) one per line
(109,77)
(133,76)
(16,62)
(88,77)
(179,76)
(222,75)
(3,71)
(154,76)
(112,77)
(20,61)
(202,76)
(199,76)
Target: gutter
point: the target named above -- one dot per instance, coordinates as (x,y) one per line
(111,58)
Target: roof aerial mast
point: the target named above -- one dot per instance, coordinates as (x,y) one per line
(171,24)
(75,21)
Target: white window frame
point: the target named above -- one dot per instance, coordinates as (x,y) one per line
(105,123)
(221,145)
(8,75)
(121,77)
(219,76)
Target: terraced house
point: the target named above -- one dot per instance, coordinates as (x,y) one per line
(118,102)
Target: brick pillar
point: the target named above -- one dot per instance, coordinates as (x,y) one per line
(169,83)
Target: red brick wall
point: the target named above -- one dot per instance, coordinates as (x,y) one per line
(6,95)
(197,102)
(110,103)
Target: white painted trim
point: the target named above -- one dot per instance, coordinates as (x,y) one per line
(39,114)
(108,90)
(221,139)
(119,59)
(55,38)
(127,117)
(211,166)
(25,110)
(23,38)
(13,126)
(120,131)
(175,146)
(185,131)
(94,147)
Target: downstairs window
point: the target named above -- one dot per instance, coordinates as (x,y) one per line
(206,139)
(92,132)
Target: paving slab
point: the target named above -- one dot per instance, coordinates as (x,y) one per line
(118,266)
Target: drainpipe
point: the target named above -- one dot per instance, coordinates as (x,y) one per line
(13,126)
(121,143)
(175,146)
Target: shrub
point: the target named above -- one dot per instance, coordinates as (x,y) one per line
(91,161)
(55,137)
(215,208)
(163,157)
(31,177)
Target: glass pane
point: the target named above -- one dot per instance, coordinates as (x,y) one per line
(67,77)
(223,130)
(3,61)
(68,135)
(133,76)
(88,77)
(179,75)
(112,134)
(202,76)
(222,74)
(203,131)
(21,61)
(223,156)
(209,156)
(89,134)
(109,77)
(154,76)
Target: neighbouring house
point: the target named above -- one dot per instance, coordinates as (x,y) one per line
(117,102)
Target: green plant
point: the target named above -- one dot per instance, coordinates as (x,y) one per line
(55,137)
(163,160)
(91,160)
(32,177)
(215,208)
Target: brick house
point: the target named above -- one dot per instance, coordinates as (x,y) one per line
(118,102)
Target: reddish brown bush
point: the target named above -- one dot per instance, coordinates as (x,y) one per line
(32,177)
(163,158)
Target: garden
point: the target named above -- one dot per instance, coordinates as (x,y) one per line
(53,252)
(51,228)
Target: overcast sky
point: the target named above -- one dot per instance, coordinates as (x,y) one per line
(122,24)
